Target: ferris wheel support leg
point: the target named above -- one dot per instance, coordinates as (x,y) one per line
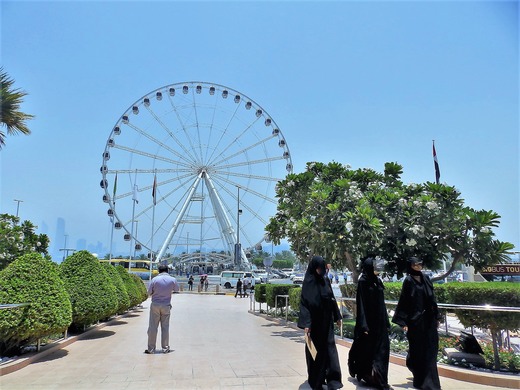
(179,217)
(222,218)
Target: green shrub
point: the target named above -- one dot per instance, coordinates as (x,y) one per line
(142,293)
(35,280)
(348,328)
(260,293)
(92,293)
(294,298)
(131,286)
(272,290)
(494,294)
(123,301)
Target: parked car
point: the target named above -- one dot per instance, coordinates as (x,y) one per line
(263,277)
(298,278)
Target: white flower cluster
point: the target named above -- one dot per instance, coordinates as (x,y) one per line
(432,205)
(411,242)
(416,229)
(348,226)
(355,192)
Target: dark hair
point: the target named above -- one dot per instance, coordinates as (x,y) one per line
(163,268)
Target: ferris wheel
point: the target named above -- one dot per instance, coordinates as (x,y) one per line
(190,169)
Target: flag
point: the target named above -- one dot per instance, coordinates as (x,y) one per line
(134,197)
(115,188)
(436,164)
(154,190)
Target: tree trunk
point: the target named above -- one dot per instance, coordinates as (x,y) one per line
(495,334)
(352,266)
(456,260)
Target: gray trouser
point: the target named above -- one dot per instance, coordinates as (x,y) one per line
(159,313)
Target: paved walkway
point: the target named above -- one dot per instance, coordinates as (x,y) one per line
(216,344)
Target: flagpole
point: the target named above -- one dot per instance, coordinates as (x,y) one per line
(134,198)
(112,218)
(154,198)
(111,238)
(132,235)
(436,164)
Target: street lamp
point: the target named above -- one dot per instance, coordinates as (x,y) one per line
(65,247)
(238,248)
(17,206)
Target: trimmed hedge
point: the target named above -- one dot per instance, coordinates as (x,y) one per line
(272,290)
(92,293)
(468,293)
(491,293)
(35,280)
(260,293)
(294,298)
(123,301)
(130,285)
(142,293)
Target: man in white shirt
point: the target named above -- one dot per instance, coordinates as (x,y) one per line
(160,289)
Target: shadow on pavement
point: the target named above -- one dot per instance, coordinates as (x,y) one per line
(97,334)
(59,354)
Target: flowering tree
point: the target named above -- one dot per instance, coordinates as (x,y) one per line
(345,214)
(17,240)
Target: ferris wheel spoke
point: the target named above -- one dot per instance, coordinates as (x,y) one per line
(252,162)
(244,150)
(156,141)
(150,155)
(234,140)
(172,136)
(245,188)
(244,205)
(247,176)
(183,125)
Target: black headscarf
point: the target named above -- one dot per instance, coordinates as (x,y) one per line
(410,270)
(367,269)
(314,285)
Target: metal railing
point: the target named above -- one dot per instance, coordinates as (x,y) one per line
(455,306)
(13,305)
(446,306)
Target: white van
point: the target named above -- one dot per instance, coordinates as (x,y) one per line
(228,279)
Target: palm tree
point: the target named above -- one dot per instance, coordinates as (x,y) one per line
(10,115)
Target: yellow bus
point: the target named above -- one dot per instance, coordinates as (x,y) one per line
(139,267)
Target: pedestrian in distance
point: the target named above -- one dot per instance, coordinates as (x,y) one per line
(370,352)
(206,283)
(245,286)
(318,312)
(418,315)
(239,288)
(160,290)
(190,283)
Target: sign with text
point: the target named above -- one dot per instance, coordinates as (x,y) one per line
(502,269)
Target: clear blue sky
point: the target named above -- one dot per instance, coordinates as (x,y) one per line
(361,83)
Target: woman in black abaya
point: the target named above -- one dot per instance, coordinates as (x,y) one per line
(418,315)
(370,351)
(318,312)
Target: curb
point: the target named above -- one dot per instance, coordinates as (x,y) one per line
(21,362)
(509,381)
